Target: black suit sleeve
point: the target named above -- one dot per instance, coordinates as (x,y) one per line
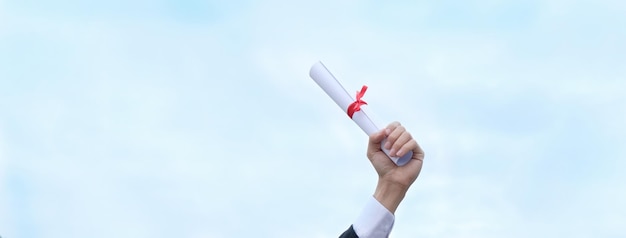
(349,233)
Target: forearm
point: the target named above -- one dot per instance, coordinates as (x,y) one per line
(390,194)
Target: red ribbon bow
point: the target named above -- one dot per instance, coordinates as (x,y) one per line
(356,105)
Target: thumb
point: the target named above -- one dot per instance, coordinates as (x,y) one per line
(374,143)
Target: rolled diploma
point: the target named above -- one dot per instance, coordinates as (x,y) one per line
(320,74)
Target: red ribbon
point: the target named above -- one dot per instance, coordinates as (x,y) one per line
(356,105)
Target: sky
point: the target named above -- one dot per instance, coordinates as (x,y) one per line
(189,118)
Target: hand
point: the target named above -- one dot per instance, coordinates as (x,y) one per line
(394,181)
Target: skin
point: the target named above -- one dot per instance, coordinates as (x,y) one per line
(394,181)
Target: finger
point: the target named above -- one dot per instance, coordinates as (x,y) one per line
(374,142)
(418,153)
(394,135)
(389,129)
(392,126)
(398,148)
(414,166)
(377,137)
(410,145)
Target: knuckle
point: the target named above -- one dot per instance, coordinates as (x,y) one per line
(393,125)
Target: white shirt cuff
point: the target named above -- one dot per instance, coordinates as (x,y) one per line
(375,221)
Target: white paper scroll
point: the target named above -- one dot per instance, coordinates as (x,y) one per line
(320,74)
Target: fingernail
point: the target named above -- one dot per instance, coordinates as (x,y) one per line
(387,145)
(392,152)
(399,153)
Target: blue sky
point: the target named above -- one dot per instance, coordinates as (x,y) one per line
(198,118)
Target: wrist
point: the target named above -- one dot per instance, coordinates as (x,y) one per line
(390,193)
